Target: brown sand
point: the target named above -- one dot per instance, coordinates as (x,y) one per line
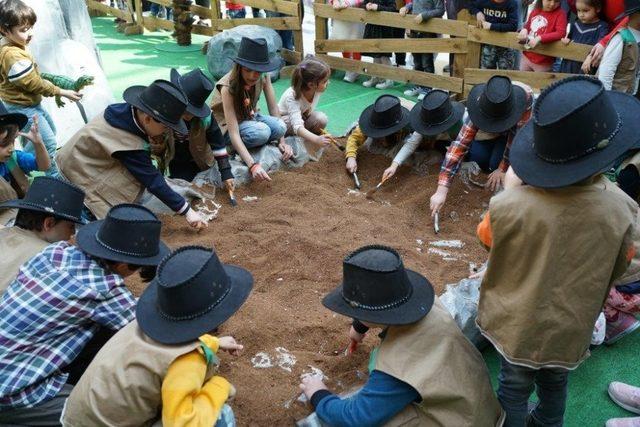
(293,239)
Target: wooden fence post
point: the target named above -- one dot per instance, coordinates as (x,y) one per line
(298,43)
(321,28)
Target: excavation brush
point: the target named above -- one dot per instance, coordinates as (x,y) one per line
(371,192)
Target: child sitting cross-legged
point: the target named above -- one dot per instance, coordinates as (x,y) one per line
(235,105)
(297,104)
(424,372)
(169,371)
(527,307)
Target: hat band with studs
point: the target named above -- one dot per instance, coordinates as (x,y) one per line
(356,304)
(48,209)
(119,251)
(599,146)
(195,315)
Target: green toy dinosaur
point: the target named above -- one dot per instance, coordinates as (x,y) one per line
(66,83)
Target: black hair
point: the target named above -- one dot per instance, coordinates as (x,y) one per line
(15,13)
(32,220)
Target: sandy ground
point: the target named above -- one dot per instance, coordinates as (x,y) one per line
(293,239)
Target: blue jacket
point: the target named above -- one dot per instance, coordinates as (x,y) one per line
(502,16)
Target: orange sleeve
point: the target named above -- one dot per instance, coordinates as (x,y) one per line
(484,231)
(631,252)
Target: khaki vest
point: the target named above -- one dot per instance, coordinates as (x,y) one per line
(122,385)
(435,358)
(554,256)
(17,246)
(216,102)
(11,191)
(624,80)
(199,147)
(86,160)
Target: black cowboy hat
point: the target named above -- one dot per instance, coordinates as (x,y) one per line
(130,233)
(197,87)
(162,100)
(577,130)
(192,294)
(7,118)
(53,196)
(377,288)
(630,7)
(496,106)
(254,55)
(436,113)
(384,117)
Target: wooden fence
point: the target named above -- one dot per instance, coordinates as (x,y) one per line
(291,8)
(460,38)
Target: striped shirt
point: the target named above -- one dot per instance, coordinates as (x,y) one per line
(48,314)
(460,147)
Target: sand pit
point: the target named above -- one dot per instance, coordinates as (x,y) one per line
(292,234)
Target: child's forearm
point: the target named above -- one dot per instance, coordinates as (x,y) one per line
(42,156)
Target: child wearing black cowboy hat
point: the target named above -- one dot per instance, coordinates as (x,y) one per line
(203,143)
(15,165)
(169,370)
(560,236)
(48,213)
(496,110)
(385,122)
(425,372)
(235,105)
(65,303)
(111,157)
(436,121)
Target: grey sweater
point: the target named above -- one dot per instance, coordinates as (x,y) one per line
(427,8)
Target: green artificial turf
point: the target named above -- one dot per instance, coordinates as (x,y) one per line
(135,60)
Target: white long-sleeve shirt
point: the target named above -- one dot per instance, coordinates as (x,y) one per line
(611,59)
(291,109)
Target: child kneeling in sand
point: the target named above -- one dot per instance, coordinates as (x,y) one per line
(168,372)
(235,105)
(425,372)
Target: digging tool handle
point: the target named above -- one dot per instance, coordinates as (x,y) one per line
(353,345)
(357,181)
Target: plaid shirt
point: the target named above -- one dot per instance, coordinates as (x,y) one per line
(47,316)
(460,147)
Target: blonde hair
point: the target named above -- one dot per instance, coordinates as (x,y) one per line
(311,70)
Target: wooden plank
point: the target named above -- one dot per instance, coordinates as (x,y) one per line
(282,6)
(203,30)
(298,41)
(575,51)
(537,81)
(291,56)
(139,16)
(451,84)
(283,23)
(287,71)
(321,25)
(202,12)
(454,45)
(113,11)
(390,19)
(152,23)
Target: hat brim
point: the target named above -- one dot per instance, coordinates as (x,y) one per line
(490,124)
(422,128)
(17,119)
(539,173)
(365,124)
(273,64)
(20,204)
(172,332)
(131,96)
(627,13)
(86,240)
(199,112)
(414,309)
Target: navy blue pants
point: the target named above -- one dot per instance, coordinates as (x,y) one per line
(488,154)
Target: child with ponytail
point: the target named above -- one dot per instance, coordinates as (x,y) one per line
(297,104)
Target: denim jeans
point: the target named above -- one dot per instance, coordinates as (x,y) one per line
(227,418)
(285,35)
(488,154)
(46,128)
(515,385)
(237,14)
(261,130)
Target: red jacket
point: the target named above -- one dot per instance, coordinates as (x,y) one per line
(550,27)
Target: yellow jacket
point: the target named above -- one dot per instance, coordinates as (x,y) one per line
(355,140)
(20,81)
(189,400)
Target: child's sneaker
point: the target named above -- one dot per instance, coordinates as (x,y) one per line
(625,396)
(385,84)
(371,82)
(625,324)
(412,91)
(351,76)
(423,92)
(623,422)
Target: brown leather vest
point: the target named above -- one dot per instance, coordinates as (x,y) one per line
(624,79)
(435,358)
(554,256)
(198,145)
